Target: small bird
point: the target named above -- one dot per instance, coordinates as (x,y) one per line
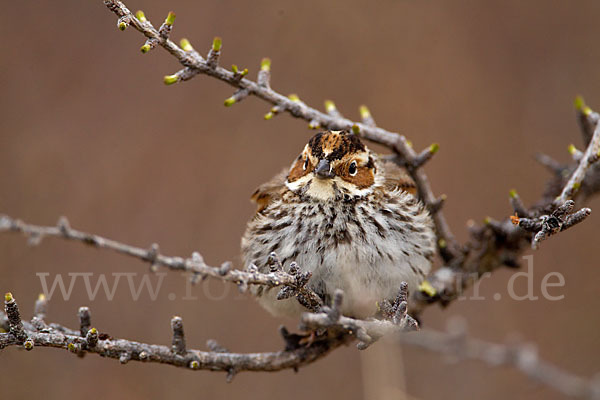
(347,216)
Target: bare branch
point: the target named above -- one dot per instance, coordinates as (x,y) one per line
(14,332)
(152,255)
(523,357)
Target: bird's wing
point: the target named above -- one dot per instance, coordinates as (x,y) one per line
(397,178)
(266,193)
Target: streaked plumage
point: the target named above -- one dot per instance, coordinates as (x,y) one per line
(349,218)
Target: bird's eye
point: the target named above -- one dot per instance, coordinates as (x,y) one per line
(305,164)
(352,169)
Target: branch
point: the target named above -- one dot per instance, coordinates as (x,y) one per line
(15,332)
(454,343)
(500,243)
(293,282)
(523,357)
(194,64)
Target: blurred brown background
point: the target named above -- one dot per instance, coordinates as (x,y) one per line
(88,130)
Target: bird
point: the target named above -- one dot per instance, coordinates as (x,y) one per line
(348,216)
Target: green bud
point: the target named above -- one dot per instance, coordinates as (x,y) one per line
(217,43)
(186,45)
(329,106)
(442,244)
(487,220)
(194,364)
(170,18)
(229,101)
(294,97)
(145,48)
(8,297)
(93,331)
(41,297)
(579,103)
(265,64)
(269,116)
(234,69)
(122,25)
(572,149)
(71,347)
(427,288)
(141,16)
(170,79)
(434,148)
(576,185)
(244,72)
(364,112)
(512,193)
(355,129)
(28,345)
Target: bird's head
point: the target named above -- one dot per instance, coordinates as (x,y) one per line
(333,165)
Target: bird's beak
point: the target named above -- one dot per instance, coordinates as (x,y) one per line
(324,170)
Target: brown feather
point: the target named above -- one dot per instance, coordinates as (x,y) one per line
(269,191)
(397,178)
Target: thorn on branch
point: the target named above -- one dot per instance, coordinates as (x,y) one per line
(178,343)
